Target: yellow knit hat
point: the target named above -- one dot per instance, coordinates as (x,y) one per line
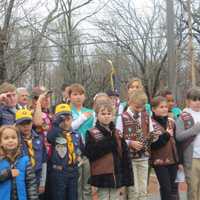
(23,115)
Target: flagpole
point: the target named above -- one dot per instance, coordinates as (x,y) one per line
(190,46)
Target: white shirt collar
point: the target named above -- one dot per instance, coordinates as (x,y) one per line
(131,113)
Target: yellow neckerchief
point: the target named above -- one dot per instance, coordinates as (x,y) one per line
(70,148)
(31,151)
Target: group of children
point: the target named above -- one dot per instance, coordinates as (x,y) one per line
(101,153)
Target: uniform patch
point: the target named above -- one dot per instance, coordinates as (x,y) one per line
(38,142)
(61,150)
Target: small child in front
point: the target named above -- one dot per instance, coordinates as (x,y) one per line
(17,178)
(107,152)
(63,164)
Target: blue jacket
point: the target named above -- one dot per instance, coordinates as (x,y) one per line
(7,116)
(5,186)
(39,150)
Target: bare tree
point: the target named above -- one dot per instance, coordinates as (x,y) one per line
(4,30)
(141,38)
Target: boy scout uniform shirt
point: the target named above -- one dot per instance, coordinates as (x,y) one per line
(40,155)
(7,115)
(61,157)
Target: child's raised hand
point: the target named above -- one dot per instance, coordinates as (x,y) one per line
(136,145)
(15,172)
(4,97)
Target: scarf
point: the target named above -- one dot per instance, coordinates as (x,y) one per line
(31,152)
(70,148)
(163,121)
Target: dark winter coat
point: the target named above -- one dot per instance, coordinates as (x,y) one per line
(109,158)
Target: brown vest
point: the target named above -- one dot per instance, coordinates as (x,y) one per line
(167,154)
(136,131)
(105,164)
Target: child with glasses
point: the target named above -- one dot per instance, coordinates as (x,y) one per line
(187,132)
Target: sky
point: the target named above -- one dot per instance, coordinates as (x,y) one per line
(42,7)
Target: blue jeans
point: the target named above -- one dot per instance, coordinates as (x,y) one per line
(64,184)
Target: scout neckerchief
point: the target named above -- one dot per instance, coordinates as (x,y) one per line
(31,152)
(70,148)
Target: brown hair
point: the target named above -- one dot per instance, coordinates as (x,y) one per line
(165,92)
(138,96)
(135,79)
(7,87)
(101,96)
(193,93)
(64,85)
(104,104)
(76,88)
(2,151)
(156,101)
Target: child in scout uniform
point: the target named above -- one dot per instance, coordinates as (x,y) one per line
(188,134)
(17,178)
(164,156)
(42,118)
(110,164)
(83,120)
(136,126)
(63,165)
(33,146)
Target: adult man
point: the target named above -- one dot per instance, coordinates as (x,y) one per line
(22,98)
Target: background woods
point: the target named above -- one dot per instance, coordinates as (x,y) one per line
(51,42)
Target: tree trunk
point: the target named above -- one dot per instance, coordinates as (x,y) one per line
(3,72)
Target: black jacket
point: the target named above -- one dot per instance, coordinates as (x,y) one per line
(96,149)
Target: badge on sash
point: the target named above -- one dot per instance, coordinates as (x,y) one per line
(61,147)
